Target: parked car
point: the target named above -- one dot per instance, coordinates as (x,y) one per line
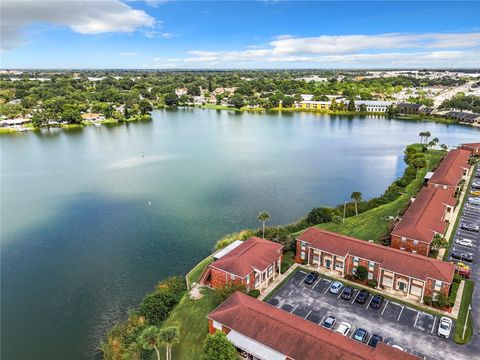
(470,227)
(444,327)
(462,270)
(398,347)
(466,257)
(335,288)
(376,302)
(347,293)
(464,242)
(374,340)
(456,255)
(344,328)
(360,335)
(310,279)
(474,201)
(329,322)
(362,296)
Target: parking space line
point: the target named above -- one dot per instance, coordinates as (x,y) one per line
(368,305)
(321,321)
(401,311)
(415,324)
(303,280)
(341,292)
(386,304)
(303,272)
(433,327)
(328,288)
(308,314)
(294,309)
(281,303)
(319,278)
(358,292)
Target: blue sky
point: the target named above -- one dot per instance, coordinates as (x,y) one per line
(230,34)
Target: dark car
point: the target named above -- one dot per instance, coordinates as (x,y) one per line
(374,340)
(310,279)
(362,296)
(466,257)
(456,255)
(376,302)
(347,293)
(360,335)
(470,227)
(329,322)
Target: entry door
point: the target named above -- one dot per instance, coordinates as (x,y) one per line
(328,263)
(401,286)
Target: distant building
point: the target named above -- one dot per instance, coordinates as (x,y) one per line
(464,117)
(15,122)
(317,105)
(254,263)
(371,105)
(181,91)
(407,108)
(92,117)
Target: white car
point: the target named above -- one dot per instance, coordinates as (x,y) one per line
(398,347)
(344,328)
(464,242)
(474,201)
(445,327)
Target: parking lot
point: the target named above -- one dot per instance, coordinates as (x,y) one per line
(398,324)
(471,215)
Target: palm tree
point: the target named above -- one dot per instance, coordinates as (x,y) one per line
(422,135)
(427,135)
(263,217)
(150,339)
(169,335)
(357,197)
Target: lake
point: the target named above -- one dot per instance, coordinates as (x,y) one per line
(93,218)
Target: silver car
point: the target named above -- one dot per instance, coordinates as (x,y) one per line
(474,201)
(464,242)
(445,327)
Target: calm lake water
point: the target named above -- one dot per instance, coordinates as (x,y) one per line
(88,225)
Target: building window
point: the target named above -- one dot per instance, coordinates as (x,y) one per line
(438,285)
(370,276)
(303,245)
(404,239)
(339,266)
(415,242)
(355,261)
(270,271)
(247,279)
(302,256)
(232,276)
(371,265)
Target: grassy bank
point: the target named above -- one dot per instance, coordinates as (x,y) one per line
(462,315)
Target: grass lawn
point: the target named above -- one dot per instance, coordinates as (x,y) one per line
(373,224)
(196,272)
(462,315)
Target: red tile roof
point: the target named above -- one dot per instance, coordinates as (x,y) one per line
(450,170)
(402,262)
(254,253)
(424,217)
(294,336)
(473,147)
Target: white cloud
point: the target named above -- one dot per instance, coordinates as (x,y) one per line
(390,50)
(128,53)
(82,16)
(159,34)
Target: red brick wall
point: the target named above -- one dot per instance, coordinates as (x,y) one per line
(212,330)
(430,286)
(220,278)
(364,263)
(421,248)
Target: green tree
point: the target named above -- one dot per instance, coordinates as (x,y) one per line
(71,115)
(438,242)
(263,217)
(333,105)
(171,99)
(39,119)
(150,339)
(320,215)
(169,335)
(224,292)
(237,101)
(361,274)
(218,347)
(362,108)
(337,219)
(145,107)
(288,101)
(357,197)
(351,105)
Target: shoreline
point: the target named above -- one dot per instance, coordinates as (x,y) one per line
(279,110)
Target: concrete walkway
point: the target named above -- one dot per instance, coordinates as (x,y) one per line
(458,300)
(277,281)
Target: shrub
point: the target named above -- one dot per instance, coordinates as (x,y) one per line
(372,283)
(441,301)
(361,274)
(224,292)
(254,293)
(156,306)
(321,215)
(427,300)
(218,347)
